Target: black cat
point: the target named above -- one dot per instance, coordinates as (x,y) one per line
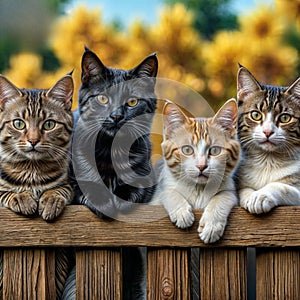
(111,143)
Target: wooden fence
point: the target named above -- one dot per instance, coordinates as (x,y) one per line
(258,256)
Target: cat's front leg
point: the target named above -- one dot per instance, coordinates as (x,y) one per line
(272,195)
(24,202)
(52,202)
(179,210)
(245,197)
(214,218)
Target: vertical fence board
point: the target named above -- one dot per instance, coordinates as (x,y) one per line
(29,274)
(278,273)
(223,274)
(168,274)
(98,274)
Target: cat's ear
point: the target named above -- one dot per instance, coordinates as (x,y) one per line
(8,91)
(246,84)
(91,66)
(174,118)
(147,68)
(227,116)
(294,88)
(62,91)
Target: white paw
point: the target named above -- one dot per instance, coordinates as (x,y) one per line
(183,217)
(259,202)
(210,231)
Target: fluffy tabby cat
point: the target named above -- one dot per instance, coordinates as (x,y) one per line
(269,132)
(110,99)
(199,158)
(35,131)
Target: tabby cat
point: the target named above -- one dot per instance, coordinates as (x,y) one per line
(111,148)
(199,159)
(269,132)
(35,131)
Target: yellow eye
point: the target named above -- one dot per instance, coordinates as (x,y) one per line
(132,102)
(187,150)
(19,124)
(214,150)
(285,118)
(49,124)
(256,115)
(102,99)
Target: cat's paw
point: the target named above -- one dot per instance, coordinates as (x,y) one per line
(51,205)
(23,203)
(259,202)
(210,231)
(183,217)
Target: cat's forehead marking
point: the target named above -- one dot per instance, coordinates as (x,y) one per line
(34,100)
(272,98)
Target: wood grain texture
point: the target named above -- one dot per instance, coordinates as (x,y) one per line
(79,227)
(29,274)
(278,274)
(168,274)
(98,274)
(223,274)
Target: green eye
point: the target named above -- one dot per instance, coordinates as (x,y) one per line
(187,150)
(49,124)
(19,124)
(256,115)
(102,99)
(215,150)
(285,118)
(132,102)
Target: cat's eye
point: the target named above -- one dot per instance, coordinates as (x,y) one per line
(215,150)
(133,102)
(19,124)
(285,118)
(256,115)
(102,99)
(49,125)
(187,150)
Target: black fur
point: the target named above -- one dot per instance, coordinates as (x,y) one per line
(111,145)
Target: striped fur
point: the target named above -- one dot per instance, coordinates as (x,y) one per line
(269,132)
(34,159)
(34,156)
(200,156)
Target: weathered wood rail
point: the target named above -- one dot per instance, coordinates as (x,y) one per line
(258,256)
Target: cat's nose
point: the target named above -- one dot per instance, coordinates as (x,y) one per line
(116,117)
(33,142)
(202,167)
(268,133)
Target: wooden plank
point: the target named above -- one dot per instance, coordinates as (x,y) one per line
(80,227)
(168,274)
(278,274)
(98,274)
(29,274)
(223,274)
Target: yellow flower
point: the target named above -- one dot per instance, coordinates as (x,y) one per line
(273,63)
(263,23)
(291,8)
(221,57)
(25,70)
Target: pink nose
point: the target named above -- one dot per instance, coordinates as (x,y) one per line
(202,167)
(268,133)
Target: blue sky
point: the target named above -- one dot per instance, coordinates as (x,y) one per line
(147,11)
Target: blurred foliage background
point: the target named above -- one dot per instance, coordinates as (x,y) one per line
(198,43)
